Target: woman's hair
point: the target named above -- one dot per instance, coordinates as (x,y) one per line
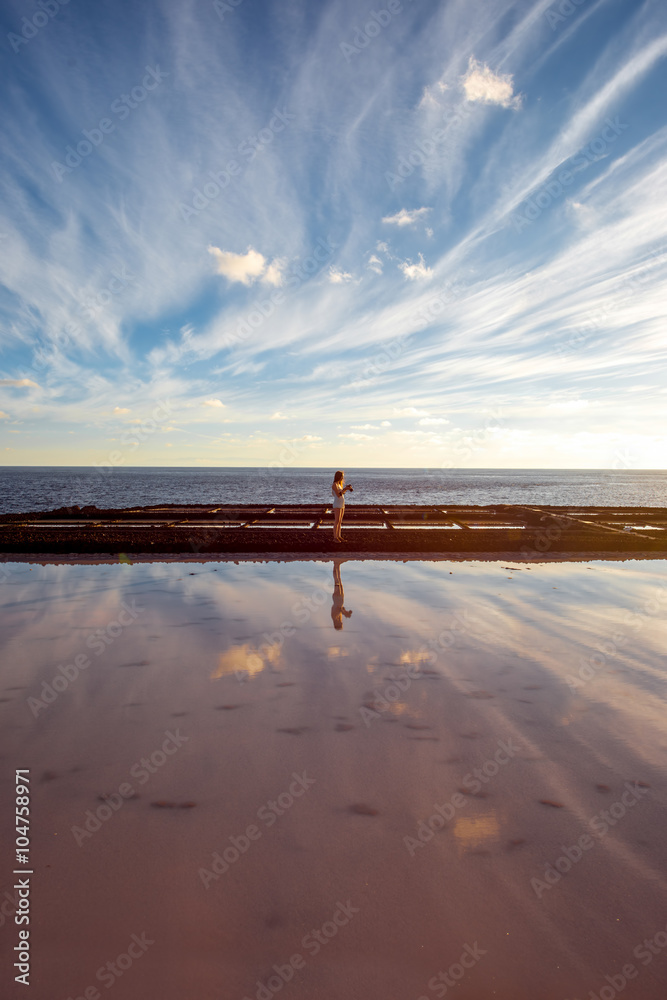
(338,476)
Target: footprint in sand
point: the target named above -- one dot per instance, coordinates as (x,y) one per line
(361,809)
(294,730)
(473,795)
(162,804)
(343,727)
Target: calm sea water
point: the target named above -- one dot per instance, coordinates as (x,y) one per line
(39,488)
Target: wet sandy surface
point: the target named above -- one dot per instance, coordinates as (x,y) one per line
(372,780)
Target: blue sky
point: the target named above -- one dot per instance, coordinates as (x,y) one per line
(428,234)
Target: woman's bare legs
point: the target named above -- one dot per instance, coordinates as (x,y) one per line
(338,517)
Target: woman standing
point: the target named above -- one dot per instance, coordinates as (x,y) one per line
(338,491)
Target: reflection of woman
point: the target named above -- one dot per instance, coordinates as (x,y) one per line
(338,491)
(337,609)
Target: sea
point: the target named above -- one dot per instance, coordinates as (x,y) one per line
(36,488)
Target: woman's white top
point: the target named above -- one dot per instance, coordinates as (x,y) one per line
(338,501)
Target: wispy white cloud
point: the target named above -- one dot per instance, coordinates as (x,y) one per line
(574,304)
(406,217)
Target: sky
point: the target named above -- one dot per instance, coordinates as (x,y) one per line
(422,233)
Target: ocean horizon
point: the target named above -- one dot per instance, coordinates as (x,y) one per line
(40,488)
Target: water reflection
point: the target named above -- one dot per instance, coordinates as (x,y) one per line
(227,686)
(338,597)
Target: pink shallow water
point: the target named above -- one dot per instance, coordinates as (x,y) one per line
(312,803)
